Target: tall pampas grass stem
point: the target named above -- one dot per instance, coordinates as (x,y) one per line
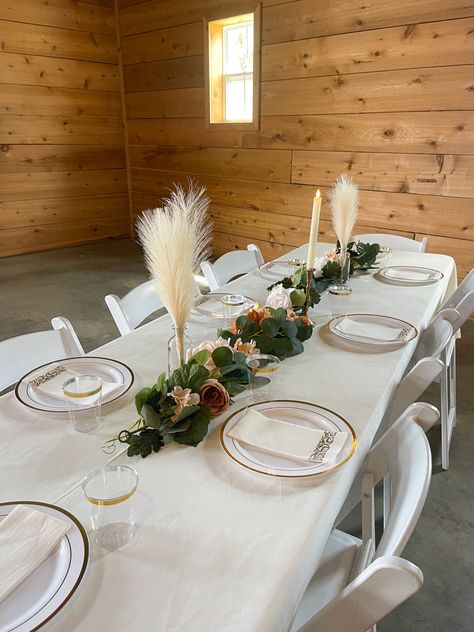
(176,238)
(344,201)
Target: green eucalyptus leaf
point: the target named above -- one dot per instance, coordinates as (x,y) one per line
(150,416)
(141,397)
(198,428)
(279,314)
(201,357)
(297,346)
(283,347)
(289,328)
(186,412)
(264,342)
(242,322)
(298,298)
(304,331)
(270,326)
(222,356)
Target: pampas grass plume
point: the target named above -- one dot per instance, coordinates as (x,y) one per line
(344,201)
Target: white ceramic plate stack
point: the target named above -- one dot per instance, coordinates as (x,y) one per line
(300,414)
(410,275)
(105,368)
(210,306)
(372,329)
(41,595)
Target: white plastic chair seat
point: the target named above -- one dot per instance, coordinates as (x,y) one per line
(396,242)
(332,576)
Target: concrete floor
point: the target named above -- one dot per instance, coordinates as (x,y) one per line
(72,282)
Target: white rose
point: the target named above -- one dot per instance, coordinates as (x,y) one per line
(210,346)
(279,297)
(319,264)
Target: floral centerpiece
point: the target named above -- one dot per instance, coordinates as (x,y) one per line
(327,270)
(180,406)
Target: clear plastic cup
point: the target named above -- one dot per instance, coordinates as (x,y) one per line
(339,300)
(83,395)
(263,372)
(232,305)
(110,494)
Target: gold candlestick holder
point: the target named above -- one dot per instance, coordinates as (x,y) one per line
(309,276)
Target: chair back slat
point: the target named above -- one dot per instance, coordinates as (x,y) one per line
(131,310)
(396,242)
(231,265)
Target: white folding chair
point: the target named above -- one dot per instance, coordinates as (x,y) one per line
(346,573)
(131,310)
(231,265)
(20,354)
(396,242)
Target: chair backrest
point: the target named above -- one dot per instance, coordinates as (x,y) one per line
(462,300)
(435,338)
(396,242)
(402,457)
(378,590)
(231,265)
(23,353)
(131,310)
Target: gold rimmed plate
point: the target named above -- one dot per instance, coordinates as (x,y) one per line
(296,412)
(217,306)
(410,275)
(372,329)
(49,588)
(109,370)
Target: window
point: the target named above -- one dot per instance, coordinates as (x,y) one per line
(232,70)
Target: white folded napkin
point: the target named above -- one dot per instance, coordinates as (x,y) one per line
(370,331)
(27,537)
(50,380)
(287,439)
(407,275)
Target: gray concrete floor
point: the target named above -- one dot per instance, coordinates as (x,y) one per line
(72,282)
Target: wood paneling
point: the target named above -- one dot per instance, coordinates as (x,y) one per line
(383,91)
(415,46)
(460,249)
(31,39)
(302,19)
(251,164)
(62,164)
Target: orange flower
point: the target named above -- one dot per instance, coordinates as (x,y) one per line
(233,328)
(306,320)
(214,395)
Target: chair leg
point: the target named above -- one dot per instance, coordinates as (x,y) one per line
(387,490)
(453,384)
(444,383)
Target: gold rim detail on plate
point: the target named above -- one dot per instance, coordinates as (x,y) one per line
(85,357)
(387,342)
(289,401)
(412,281)
(85,562)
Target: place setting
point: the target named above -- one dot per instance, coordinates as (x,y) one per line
(220,306)
(409,275)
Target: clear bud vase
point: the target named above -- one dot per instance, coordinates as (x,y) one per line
(345,263)
(178,347)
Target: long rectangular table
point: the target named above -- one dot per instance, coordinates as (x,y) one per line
(218,547)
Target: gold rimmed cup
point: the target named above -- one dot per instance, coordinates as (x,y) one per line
(83,395)
(232,304)
(109,492)
(263,373)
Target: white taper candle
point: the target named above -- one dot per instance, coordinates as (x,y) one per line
(313,233)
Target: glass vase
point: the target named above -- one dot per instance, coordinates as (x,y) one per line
(345,263)
(179,345)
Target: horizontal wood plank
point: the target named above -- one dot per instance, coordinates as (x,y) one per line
(426,45)
(461,250)
(431,174)
(184,102)
(183,72)
(44,100)
(17,214)
(66,14)
(40,158)
(37,238)
(449,88)
(178,41)
(179,132)
(401,132)
(303,19)
(37,70)
(16,128)
(34,186)
(31,39)
(251,164)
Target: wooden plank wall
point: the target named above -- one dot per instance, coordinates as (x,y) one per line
(62,164)
(383,90)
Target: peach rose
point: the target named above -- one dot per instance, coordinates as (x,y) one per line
(214,395)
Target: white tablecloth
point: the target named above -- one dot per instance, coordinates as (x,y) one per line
(218,547)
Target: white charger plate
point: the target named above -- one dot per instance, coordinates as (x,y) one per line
(409,331)
(106,368)
(41,595)
(432,276)
(210,306)
(301,414)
